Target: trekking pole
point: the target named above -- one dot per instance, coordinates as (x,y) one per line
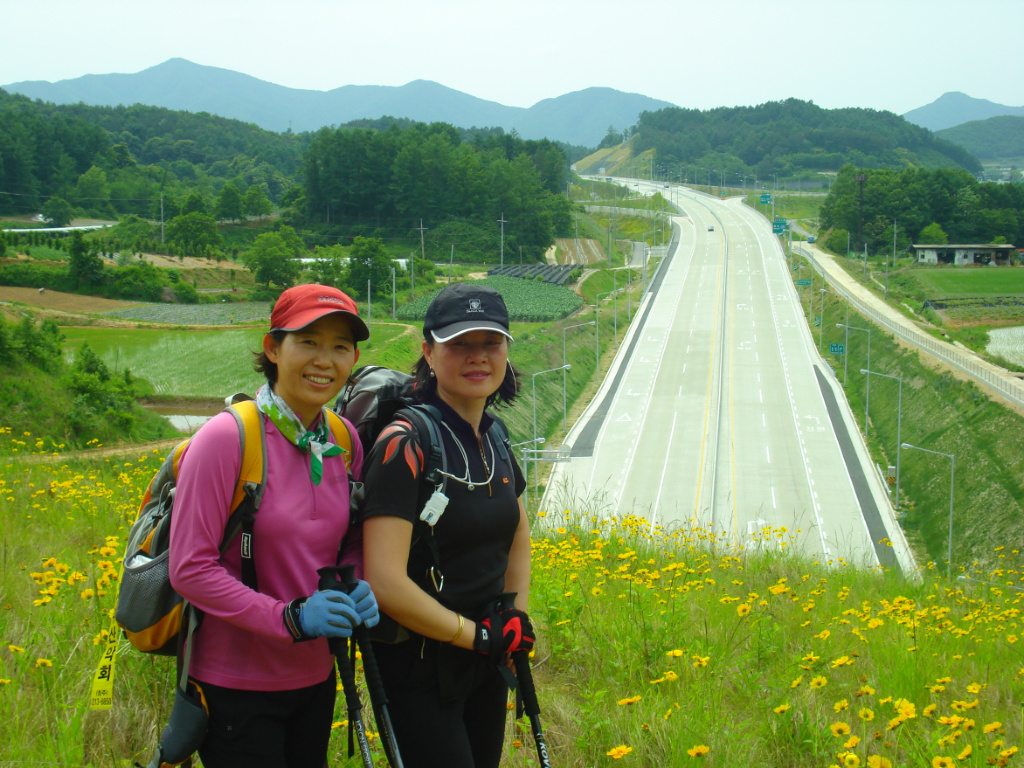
(378,696)
(348,677)
(527,690)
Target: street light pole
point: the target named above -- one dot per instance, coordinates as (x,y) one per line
(867,395)
(952,473)
(899,424)
(597,306)
(565,421)
(533,381)
(821,320)
(503,223)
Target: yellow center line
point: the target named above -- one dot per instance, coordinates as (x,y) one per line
(732,423)
(707,401)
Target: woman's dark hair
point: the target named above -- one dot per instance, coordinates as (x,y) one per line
(426,385)
(262,363)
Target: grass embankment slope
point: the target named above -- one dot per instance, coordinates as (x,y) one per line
(658,649)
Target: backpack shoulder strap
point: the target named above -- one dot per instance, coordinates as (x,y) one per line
(503,443)
(252,440)
(252,481)
(342,436)
(425,420)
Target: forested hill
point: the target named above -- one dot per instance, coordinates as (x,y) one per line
(791,137)
(116,160)
(997,138)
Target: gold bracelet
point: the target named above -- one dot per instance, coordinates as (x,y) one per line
(462,624)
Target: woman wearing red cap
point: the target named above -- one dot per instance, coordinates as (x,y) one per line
(261,657)
(446,676)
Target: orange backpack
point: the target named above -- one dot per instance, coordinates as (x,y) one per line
(148,608)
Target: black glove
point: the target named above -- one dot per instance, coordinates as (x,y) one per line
(503,632)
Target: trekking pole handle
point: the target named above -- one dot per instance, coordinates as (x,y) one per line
(329,580)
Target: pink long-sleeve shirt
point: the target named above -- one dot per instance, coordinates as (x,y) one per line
(242,642)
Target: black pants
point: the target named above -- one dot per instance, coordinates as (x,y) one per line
(448,707)
(268,729)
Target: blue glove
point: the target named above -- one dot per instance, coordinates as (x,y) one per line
(365,603)
(327,613)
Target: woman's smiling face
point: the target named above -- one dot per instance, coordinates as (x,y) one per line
(313,364)
(469,368)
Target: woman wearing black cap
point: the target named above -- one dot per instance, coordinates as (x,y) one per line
(260,657)
(444,678)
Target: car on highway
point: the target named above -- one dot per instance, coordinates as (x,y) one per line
(711,228)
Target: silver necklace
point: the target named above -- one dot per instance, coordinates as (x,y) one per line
(466,480)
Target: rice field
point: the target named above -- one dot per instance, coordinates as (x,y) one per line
(1007,343)
(969,282)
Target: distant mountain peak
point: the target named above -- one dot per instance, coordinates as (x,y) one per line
(955,108)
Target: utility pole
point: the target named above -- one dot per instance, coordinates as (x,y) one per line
(422,229)
(503,223)
(450,260)
(161,219)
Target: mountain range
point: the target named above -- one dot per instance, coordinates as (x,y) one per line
(579,118)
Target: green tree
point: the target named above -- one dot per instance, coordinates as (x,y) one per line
(92,191)
(229,203)
(57,211)
(933,235)
(271,261)
(369,260)
(328,267)
(255,202)
(85,267)
(196,203)
(193,232)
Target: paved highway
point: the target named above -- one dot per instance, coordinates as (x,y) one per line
(718,411)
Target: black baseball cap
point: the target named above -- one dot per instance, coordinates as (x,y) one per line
(464,307)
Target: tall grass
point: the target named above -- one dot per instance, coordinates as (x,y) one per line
(662,648)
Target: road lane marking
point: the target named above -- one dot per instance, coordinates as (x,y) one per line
(664,469)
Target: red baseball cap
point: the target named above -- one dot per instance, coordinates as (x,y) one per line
(304,304)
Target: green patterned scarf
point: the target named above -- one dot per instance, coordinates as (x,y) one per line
(316,442)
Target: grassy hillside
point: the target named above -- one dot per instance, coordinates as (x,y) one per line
(661,649)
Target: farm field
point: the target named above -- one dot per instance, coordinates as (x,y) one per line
(64,302)
(970,282)
(196,314)
(162,357)
(527,300)
(1008,343)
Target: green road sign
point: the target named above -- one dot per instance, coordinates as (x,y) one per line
(765,199)
(837,348)
(803,282)
(778,227)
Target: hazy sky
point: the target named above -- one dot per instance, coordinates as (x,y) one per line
(883,54)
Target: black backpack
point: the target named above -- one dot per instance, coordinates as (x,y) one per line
(374,397)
